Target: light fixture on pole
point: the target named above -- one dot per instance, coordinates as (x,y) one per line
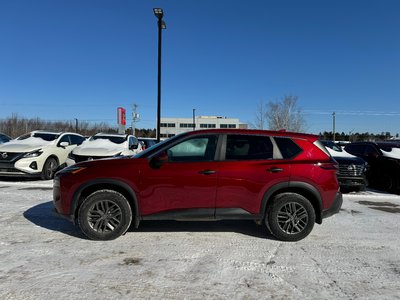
(158,12)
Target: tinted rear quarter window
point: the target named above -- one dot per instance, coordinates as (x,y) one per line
(288,148)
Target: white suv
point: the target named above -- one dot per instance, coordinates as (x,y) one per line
(105,145)
(38,153)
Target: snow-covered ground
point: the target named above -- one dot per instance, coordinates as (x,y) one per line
(352,255)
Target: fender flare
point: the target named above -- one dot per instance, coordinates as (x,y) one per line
(303,188)
(106,183)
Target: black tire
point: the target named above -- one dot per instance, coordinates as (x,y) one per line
(49,168)
(290,217)
(104,215)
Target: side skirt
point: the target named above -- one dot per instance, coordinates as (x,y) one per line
(204,214)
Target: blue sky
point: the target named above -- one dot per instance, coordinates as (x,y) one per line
(67,59)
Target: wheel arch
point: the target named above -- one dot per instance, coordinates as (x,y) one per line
(302,188)
(51,156)
(105,184)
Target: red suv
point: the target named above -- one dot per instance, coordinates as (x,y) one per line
(286,180)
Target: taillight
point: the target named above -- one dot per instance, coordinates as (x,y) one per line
(328,165)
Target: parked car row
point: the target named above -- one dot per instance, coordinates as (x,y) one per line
(352,169)
(384,163)
(42,153)
(373,164)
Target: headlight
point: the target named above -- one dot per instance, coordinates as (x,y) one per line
(33,154)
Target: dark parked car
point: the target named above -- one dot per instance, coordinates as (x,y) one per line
(384,163)
(352,169)
(285,180)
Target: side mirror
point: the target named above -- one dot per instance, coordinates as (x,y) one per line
(134,146)
(157,161)
(64,144)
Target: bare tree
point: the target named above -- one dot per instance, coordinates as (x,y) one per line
(260,116)
(285,115)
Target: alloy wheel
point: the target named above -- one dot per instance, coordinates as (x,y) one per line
(104,216)
(292,218)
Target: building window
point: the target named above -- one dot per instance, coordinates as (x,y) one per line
(227,126)
(166,135)
(186,125)
(167,124)
(207,126)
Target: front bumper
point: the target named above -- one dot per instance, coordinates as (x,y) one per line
(348,181)
(58,209)
(335,207)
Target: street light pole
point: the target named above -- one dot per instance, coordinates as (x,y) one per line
(334,126)
(194,119)
(158,12)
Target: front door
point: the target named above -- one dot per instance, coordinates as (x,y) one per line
(185,182)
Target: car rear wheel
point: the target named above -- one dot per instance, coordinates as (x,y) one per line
(104,215)
(290,217)
(388,181)
(49,168)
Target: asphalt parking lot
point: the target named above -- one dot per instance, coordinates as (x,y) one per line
(352,255)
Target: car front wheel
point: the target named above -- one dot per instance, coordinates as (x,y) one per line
(104,215)
(290,217)
(49,168)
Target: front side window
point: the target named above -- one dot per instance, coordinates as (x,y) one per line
(355,149)
(63,139)
(76,139)
(194,149)
(132,142)
(248,147)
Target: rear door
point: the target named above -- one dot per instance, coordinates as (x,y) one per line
(249,166)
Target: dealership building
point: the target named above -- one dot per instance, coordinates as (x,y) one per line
(173,126)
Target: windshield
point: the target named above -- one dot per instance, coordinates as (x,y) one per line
(332,145)
(44,136)
(114,139)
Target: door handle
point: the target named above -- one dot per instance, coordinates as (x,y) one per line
(275,170)
(207,172)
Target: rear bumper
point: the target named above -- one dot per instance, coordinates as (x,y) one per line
(335,208)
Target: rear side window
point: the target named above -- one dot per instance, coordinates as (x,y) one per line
(248,147)
(288,148)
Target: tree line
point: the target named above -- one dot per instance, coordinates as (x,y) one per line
(357,137)
(15,126)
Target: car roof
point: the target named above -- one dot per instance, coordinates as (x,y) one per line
(112,134)
(276,133)
(54,132)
